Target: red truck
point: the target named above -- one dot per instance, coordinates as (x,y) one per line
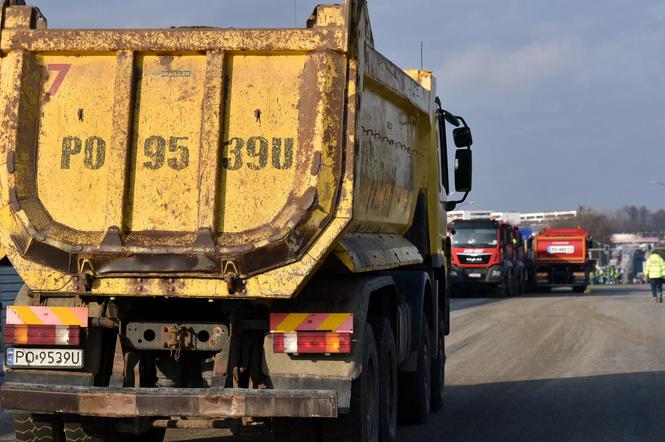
(484,255)
(561,258)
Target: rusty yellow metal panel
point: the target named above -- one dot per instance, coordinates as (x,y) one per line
(385,188)
(74,132)
(260,139)
(364,252)
(211,162)
(165,150)
(436,196)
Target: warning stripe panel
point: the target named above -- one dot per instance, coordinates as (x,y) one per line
(19,315)
(293,322)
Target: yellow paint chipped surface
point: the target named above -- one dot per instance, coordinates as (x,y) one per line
(166,143)
(260,139)
(76,119)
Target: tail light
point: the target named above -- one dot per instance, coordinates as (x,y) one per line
(313,333)
(42,335)
(312,343)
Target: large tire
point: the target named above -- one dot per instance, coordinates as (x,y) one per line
(37,428)
(385,343)
(515,286)
(103,430)
(522,283)
(439,369)
(88,431)
(415,387)
(362,423)
(503,289)
(512,283)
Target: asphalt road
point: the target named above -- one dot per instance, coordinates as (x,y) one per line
(554,367)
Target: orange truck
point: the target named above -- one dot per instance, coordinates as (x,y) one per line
(561,258)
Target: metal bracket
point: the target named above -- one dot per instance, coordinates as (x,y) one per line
(169,336)
(118,374)
(220,368)
(7,3)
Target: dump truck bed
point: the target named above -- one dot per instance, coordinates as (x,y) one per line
(199,162)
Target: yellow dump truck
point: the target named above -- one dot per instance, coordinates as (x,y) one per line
(222,223)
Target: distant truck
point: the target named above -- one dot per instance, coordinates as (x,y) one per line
(484,256)
(561,258)
(526,235)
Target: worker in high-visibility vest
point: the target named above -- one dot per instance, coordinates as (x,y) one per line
(654,270)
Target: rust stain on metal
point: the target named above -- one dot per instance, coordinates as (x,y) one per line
(316,163)
(136,402)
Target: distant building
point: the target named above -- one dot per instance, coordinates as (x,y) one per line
(509,217)
(468,214)
(545,217)
(626,239)
(513,217)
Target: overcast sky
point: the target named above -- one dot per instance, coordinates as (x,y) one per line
(566,98)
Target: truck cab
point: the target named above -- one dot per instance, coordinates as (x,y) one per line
(483,256)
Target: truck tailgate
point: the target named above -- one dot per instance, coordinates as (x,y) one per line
(181,151)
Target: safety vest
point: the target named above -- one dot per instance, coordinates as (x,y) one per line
(654,267)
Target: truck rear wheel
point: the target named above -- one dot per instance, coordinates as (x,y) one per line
(385,343)
(37,428)
(103,430)
(439,368)
(362,423)
(415,387)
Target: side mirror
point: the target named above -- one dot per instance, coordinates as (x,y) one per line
(463,170)
(462,137)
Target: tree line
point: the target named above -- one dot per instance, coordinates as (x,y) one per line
(628,219)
